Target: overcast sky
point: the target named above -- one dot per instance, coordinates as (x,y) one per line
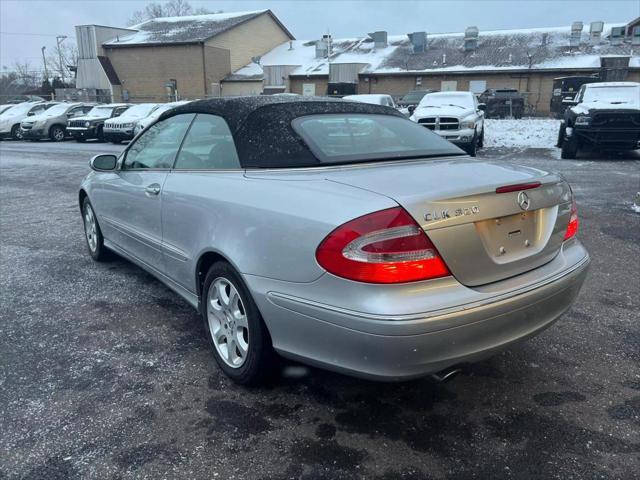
(27,25)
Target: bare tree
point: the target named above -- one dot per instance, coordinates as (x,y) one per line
(63,55)
(171,8)
(178,8)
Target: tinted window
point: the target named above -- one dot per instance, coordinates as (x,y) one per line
(158,145)
(119,111)
(343,138)
(208,145)
(77,111)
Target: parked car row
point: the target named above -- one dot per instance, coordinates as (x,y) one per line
(57,121)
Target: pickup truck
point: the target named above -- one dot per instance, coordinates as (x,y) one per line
(603,116)
(456,116)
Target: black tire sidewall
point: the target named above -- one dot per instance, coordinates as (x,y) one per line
(259,353)
(15,132)
(52,133)
(472,148)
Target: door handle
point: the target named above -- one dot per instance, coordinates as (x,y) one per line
(153,189)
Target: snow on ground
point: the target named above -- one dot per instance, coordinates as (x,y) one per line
(523,133)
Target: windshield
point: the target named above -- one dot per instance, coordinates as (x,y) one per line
(100,112)
(356,138)
(413,97)
(620,94)
(446,100)
(56,110)
(141,110)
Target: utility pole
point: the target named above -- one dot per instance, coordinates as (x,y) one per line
(44,60)
(59,40)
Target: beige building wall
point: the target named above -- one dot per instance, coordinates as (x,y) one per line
(235,89)
(144,71)
(250,39)
(322,84)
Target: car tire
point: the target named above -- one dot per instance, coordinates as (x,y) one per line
(80,139)
(16,133)
(472,148)
(481,140)
(100,135)
(116,142)
(57,133)
(561,133)
(93,234)
(239,338)
(569,148)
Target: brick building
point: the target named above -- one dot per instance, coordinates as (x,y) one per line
(172,57)
(527,59)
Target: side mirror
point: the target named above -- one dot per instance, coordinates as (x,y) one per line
(482,106)
(31,114)
(411,109)
(103,163)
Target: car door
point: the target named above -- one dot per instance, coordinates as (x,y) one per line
(198,193)
(131,200)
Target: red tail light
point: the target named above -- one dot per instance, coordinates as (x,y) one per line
(572,228)
(383,247)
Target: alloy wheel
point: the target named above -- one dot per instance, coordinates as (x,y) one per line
(90,228)
(228,323)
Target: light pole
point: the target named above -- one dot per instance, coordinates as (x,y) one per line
(44,60)
(59,40)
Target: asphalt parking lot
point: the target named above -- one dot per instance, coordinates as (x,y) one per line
(106,374)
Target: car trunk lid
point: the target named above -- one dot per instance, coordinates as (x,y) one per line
(483,236)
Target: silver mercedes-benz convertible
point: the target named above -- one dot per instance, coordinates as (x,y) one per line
(339,234)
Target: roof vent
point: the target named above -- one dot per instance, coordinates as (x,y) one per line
(290,44)
(595,31)
(418,41)
(322,47)
(444,59)
(510,60)
(471,38)
(576,34)
(379,39)
(635,35)
(617,35)
(545,39)
(256,59)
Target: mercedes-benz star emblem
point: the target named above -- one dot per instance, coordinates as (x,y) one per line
(524,201)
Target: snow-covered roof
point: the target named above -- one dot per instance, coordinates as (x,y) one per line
(498,50)
(186,29)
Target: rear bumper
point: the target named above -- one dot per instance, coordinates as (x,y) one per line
(395,347)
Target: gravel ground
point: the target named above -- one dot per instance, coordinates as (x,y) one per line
(106,374)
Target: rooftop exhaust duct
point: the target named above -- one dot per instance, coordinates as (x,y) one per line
(471,38)
(595,31)
(379,39)
(322,46)
(617,35)
(418,41)
(576,34)
(635,35)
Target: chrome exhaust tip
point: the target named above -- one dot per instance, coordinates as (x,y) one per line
(446,374)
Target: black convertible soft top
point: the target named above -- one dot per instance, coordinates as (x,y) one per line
(261,125)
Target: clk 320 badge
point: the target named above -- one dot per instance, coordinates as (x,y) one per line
(451,213)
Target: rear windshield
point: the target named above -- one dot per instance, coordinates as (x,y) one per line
(356,138)
(414,96)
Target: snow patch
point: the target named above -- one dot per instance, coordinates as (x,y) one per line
(523,133)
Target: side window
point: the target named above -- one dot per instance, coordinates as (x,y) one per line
(158,145)
(208,145)
(580,94)
(74,112)
(118,111)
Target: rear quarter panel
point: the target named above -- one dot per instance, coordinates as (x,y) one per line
(268,227)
